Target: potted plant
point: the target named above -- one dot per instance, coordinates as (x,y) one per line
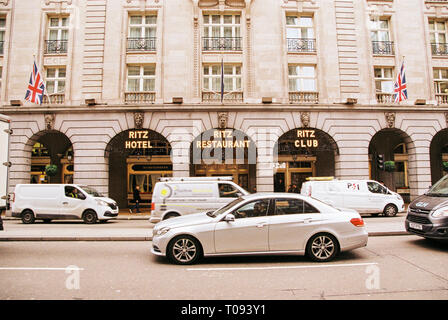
(51,170)
(445,166)
(389,166)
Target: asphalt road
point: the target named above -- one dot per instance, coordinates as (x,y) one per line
(400,267)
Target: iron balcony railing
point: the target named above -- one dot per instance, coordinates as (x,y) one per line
(141,44)
(56,46)
(385,98)
(303,97)
(140,97)
(301,45)
(55,98)
(439,49)
(228,97)
(383,47)
(221,44)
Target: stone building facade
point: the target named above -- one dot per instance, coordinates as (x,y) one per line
(309,83)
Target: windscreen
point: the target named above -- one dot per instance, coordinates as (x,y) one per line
(91,191)
(440,188)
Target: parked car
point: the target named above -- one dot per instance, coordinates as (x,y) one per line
(173,197)
(364,196)
(61,201)
(428,214)
(277,223)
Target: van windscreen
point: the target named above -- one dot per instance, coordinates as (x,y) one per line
(91,191)
(440,189)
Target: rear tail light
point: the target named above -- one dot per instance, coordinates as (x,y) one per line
(153,206)
(357,222)
(12,197)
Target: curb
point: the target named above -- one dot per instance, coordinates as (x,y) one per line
(142,238)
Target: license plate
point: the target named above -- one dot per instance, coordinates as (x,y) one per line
(415,226)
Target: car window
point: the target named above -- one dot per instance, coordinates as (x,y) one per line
(293,206)
(257,208)
(227,191)
(375,187)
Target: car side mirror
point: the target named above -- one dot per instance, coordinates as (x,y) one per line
(229,218)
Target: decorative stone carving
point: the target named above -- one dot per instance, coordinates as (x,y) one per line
(222,119)
(49,121)
(305,119)
(139,117)
(48,2)
(390,119)
(4,2)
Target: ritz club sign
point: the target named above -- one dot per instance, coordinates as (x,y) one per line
(306,138)
(138,139)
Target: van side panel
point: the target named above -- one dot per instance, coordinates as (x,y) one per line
(41,199)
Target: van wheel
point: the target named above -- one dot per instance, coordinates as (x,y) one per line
(390,210)
(322,247)
(90,217)
(184,249)
(28,217)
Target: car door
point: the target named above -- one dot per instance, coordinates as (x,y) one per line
(247,233)
(290,223)
(72,206)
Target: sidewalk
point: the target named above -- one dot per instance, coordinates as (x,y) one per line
(136,227)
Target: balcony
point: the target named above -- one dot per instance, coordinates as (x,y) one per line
(303,97)
(385,98)
(2,45)
(439,49)
(442,98)
(229,97)
(140,97)
(301,45)
(385,48)
(221,44)
(55,98)
(141,44)
(55,46)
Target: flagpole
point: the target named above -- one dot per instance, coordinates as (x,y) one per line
(43,79)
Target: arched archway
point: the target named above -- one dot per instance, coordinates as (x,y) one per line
(137,157)
(439,155)
(389,156)
(225,152)
(51,148)
(301,153)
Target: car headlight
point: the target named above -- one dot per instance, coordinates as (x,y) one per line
(162,231)
(440,213)
(101,202)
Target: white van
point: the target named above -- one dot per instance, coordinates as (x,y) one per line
(365,196)
(61,201)
(173,197)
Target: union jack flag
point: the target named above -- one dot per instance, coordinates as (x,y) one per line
(400,89)
(36,87)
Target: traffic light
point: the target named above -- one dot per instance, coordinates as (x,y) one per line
(380,161)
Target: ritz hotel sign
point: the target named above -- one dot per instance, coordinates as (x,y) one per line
(138,139)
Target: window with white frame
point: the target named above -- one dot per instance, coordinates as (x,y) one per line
(55,80)
(437,33)
(302,78)
(141,78)
(58,28)
(384,80)
(2,33)
(222,32)
(440,80)
(212,78)
(380,36)
(300,33)
(142,32)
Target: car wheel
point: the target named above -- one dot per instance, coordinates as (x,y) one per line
(390,210)
(170,215)
(184,250)
(90,217)
(322,247)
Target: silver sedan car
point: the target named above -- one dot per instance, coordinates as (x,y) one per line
(277,223)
